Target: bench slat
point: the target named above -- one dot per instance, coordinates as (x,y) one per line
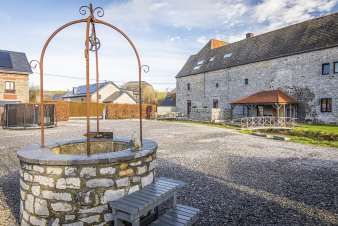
(180,215)
(164,179)
(183,207)
(175,219)
(165,222)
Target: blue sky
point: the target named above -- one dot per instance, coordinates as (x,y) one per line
(165,32)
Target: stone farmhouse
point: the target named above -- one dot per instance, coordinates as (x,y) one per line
(14,76)
(109,92)
(242,78)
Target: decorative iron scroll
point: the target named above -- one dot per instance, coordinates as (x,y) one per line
(94,44)
(98,11)
(145,68)
(34,64)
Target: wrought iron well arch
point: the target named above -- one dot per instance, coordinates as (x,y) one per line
(90,21)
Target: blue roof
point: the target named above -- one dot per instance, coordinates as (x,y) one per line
(80,91)
(167,101)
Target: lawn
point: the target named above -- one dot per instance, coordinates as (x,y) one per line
(321,135)
(332,129)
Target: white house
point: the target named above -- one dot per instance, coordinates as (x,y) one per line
(109,92)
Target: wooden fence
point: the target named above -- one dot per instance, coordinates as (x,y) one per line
(61,110)
(64,110)
(79,109)
(126,111)
(267,122)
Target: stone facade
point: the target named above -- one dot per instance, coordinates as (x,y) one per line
(79,194)
(300,76)
(21,93)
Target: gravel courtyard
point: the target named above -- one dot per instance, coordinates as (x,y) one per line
(235,179)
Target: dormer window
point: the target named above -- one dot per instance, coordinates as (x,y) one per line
(197,67)
(227,55)
(200,62)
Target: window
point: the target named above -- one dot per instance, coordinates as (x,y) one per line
(326,69)
(9,87)
(246,81)
(335,67)
(227,55)
(200,62)
(326,105)
(217,85)
(215,103)
(197,67)
(188,86)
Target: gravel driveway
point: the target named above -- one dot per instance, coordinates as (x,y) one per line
(235,179)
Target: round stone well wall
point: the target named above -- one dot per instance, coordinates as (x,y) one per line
(60,185)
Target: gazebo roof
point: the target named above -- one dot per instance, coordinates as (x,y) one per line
(266,97)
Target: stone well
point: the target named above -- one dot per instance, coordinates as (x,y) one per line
(61,185)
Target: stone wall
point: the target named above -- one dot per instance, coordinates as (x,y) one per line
(77,195)
(298,75)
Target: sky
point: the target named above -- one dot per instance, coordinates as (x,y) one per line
(166,33)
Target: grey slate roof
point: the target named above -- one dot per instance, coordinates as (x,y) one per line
(311,35)
(19,62)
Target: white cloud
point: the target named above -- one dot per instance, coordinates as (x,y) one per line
(279,13)
(177,13)
(174,38)
(202,40)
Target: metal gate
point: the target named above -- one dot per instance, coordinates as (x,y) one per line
(22,116)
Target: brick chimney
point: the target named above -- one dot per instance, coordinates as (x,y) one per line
(217,43)
(249,35)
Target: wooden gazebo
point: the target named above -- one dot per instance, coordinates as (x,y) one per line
(267,105)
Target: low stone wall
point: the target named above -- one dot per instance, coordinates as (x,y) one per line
(78,193)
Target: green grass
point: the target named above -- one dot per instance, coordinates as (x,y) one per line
(302,133)
(307,140)
(322,135)
(331,129)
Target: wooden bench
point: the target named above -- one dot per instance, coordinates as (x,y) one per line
(132,207)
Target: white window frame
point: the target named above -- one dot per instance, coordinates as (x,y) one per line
(9,85)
